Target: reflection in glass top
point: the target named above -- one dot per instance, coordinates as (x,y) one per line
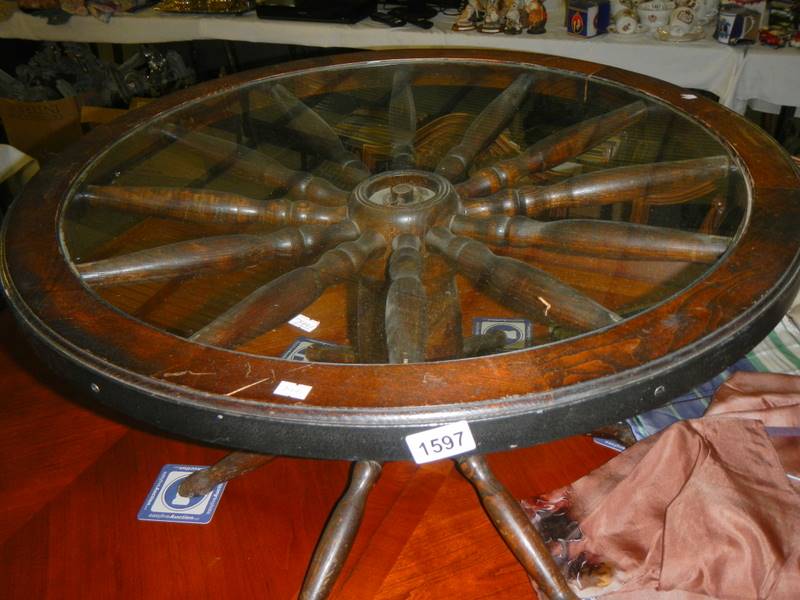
(406,211)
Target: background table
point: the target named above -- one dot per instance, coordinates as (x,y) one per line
(738,75)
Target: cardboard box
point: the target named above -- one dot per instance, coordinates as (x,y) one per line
(41,129)
(588,17)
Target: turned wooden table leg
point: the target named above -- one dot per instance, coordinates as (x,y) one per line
(515,528)
(334,545)
(233,465)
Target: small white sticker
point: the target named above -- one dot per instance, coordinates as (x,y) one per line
(440,442)
(305,323)
(298,391)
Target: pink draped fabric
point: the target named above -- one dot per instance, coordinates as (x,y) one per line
(704,509)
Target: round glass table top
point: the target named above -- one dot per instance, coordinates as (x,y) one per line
(322,257)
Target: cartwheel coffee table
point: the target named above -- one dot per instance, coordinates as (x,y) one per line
(405,255)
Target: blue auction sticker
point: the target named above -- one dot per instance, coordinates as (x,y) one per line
(517,331)
(297,351)
(164,502)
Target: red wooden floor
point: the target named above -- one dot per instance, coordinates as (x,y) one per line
(72,479)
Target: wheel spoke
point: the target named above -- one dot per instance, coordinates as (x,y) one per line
(485,128)
(284,297)
(331,354)
(230,467)
(552,150)
(220,254)
(406,303)
(402,121)
(337,538)
(656,184)
(369,321)
(516,529)
(596,238)
(445,336)
(519,286)
(715,214)
(317,134)
(210,206)
(256,166)
(484,343)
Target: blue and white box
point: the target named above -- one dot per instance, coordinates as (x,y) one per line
(164,502)
(297,351)
(518,331)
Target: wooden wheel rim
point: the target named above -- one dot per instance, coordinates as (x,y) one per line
(509,399)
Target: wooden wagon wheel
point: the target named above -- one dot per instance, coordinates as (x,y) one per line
(645,235)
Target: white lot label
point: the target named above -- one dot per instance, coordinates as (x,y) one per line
(440,442)
(298,391)
(303,322)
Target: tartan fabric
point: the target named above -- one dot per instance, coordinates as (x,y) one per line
(779,352)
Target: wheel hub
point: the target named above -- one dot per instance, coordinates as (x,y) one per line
(404,201)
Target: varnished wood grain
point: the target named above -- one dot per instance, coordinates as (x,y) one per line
(518,285)
(486,126)
(659,183)
(690,329)
(334,546)
(406,303)
(595,238)
(210,206)
(419,535)
(552,150)
(218,254)
(316,133)
(283,298)
(515,528)
(256,166)
(49,433)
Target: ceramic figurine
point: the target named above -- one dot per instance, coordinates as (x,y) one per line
(492,22)
(466,20)
(514,18)
(536,16)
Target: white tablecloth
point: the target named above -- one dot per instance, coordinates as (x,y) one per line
(769,79)
(736,74)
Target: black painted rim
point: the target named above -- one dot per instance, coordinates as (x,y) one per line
(378,432)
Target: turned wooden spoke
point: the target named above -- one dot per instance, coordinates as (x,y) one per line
(402,121)
(406,303)
(445,335)
(520,286)
(485,128)
(515,528)
(370,309)
(596,238)
(231,466)
(715,214)
(331,354)
(284,297)
(340,531)
(217,254)
(316,133)
(485,343)
(657,183)
(552,150)
(252,165)
(210,206)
